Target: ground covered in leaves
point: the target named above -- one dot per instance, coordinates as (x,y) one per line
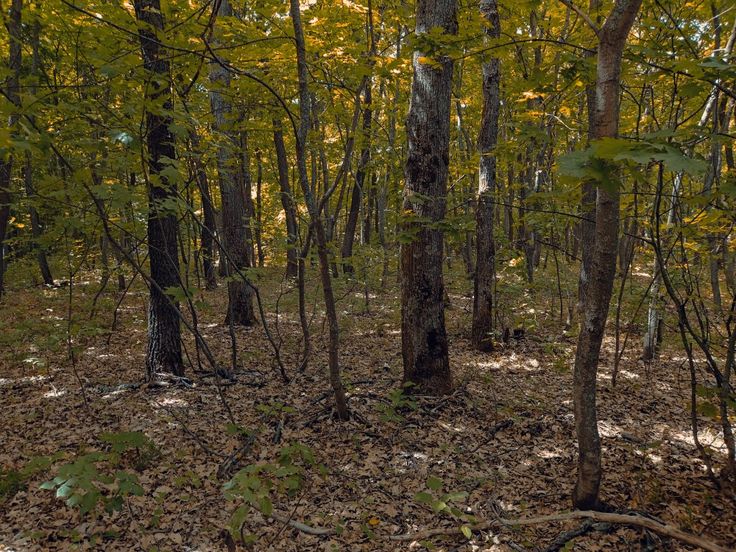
(503,441)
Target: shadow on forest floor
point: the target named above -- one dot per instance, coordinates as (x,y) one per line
(375,465)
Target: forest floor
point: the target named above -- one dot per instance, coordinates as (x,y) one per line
(505,436)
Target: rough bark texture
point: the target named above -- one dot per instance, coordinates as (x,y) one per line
(482,327)
(234,222)
(164,333)
(13,26)
(287,201)
(597,288)
(423,335)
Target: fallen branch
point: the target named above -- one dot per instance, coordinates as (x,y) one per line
(304,528)
(620,519)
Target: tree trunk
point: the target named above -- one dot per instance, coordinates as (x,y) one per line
(259,209)
(164,337)
(482,327)
(234,224)
(209,224)
(423,335)
(287,201)
(13,26)
(597,288)
(355,199)
(36,227)
(341,406)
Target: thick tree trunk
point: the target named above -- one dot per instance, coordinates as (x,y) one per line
(164,337)
(234,215)
(287,201)
(482,327)
(597,288)
(423,335)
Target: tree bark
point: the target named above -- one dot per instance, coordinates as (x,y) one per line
(36,226)
(597,288)
(482,326)
(356,197)
(341,406)
(209,223)
(13,26)
(259,210)
(287,201)
(423,335)
(164,332)
(234,224)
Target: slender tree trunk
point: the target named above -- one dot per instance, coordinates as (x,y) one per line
(36,227)
(209,224)
(259,209)
(597,288)
(234,214)
(356,197)
(482,325)
(341,407)
(287,201)
(246,185)
(423,335)
(164,332)
(13,26)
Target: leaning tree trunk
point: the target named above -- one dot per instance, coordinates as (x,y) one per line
(164,332)
(13,26)
(482,327)
(234,224)
(423,335)
(597,288)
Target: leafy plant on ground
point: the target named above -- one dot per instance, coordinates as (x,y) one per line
(12,481)
(399,401)
(93,479)
(446,503)
(257,485)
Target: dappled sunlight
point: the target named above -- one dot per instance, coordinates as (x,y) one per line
(54,393)
(6,382)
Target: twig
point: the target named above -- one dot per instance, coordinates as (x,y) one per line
(304,528)
(621,519)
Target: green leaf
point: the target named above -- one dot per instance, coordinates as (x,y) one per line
(467,531)
(424,498)
(434,483)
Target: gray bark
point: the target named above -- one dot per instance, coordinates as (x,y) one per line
(597,288)
(423,334)
(482,325)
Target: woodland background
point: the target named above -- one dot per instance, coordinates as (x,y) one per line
(335,275)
